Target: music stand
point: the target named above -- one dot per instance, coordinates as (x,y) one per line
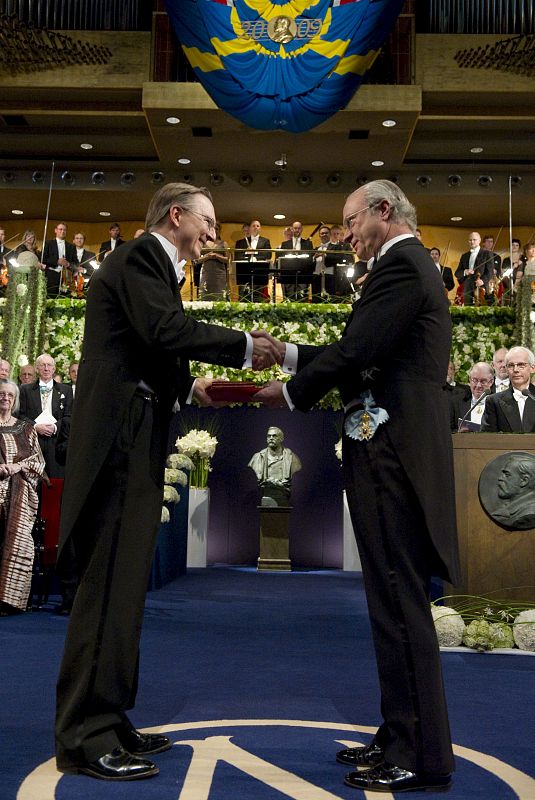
(294,269)
(252,273)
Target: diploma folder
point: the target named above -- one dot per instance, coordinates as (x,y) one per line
(232,391)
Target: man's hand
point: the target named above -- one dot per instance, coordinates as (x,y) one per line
(280,349)
(266,350)
(271,395)
(45,430)
(201,395)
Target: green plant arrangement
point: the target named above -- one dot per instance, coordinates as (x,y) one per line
(483,623)
(23,332)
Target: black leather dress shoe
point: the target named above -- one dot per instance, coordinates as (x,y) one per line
(119,766)
(368,756)
(142,744)
(389,778)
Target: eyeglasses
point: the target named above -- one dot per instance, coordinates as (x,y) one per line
(211,223)
(7,394)
(349,220)
(519,364)
(481,381)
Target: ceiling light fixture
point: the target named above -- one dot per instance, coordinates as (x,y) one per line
(245,179)
(184,160)
(281,162)
(172,120)
(68,178)
(476,150)
(98,178)
(188,178)
(157,177)
(389,123)
(333,179)
(275,179)
(17,211)
(105,213)
(216,178)
(456,219)
(279,216)
(304,179)
(378,163)
(127,178)
(37,177)
(423,180)
(9,177)
(86,146)
(516,180)
(454,180)
(484,180)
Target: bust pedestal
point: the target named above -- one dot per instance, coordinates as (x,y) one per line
(274,538)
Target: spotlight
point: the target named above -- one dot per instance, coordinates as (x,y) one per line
(216,179)
(245,179)
(9,177)
(361,180)
(188,178)
(333,179)
(37,177)
(281,162)
(67,177)
(454,180)
(127,178)
(423,180)
(484,180)
(516,180)
(275,179)
(98,178)
(304,179)
(157,177)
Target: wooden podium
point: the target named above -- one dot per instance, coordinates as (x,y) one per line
(492,559)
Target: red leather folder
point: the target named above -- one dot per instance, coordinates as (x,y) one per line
(233,391)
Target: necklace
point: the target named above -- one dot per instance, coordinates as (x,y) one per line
(5,424)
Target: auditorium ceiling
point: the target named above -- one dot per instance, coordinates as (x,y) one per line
(453,153)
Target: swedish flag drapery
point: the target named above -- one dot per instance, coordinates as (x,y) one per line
(279,64)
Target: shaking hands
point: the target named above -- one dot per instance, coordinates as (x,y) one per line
(266,350)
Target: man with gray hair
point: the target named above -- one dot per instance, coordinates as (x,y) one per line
(134,372)
(389,366)
(513,411)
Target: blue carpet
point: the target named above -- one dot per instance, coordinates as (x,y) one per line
(229,657)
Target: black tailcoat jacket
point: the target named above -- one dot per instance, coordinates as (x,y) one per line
(397,344)
(135,330)
(31,407)
(501,414)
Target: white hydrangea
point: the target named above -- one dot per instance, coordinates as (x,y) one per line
(197,443)
(524,630)
(170,494)
(449,626)
(338,449)
(175,476)
(179,461)
(22,290)
(22,360)
(165,517)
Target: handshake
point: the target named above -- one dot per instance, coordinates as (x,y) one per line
(267,350)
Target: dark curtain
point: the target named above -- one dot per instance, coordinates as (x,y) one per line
(89,15)
(476,16)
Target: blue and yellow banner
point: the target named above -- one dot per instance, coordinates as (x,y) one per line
(275,64)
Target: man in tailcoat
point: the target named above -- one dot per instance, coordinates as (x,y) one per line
(389,367)
(253,248)
(134,369)
(298,245)
(112,243)
(475,262)
(513,410)
(58,255)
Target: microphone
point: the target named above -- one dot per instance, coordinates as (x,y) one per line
(485,394)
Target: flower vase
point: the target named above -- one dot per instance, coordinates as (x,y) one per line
(351,553)
(199,503)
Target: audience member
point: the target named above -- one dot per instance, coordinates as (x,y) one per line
(501,373)
(515,262)
(318,281)
(513,410)
(21,468)
(474,270)
(468,408)
(58,255)
(5,369)
(27,374)
(114,241)
(73,376)
(445,272)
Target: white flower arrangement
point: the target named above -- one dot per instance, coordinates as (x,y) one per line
(338,449)
(175,476)
(449,626)
(165,516)
(199,446)
(179,461)
(483,624)
(22,290)
(170,494)
(524,630)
